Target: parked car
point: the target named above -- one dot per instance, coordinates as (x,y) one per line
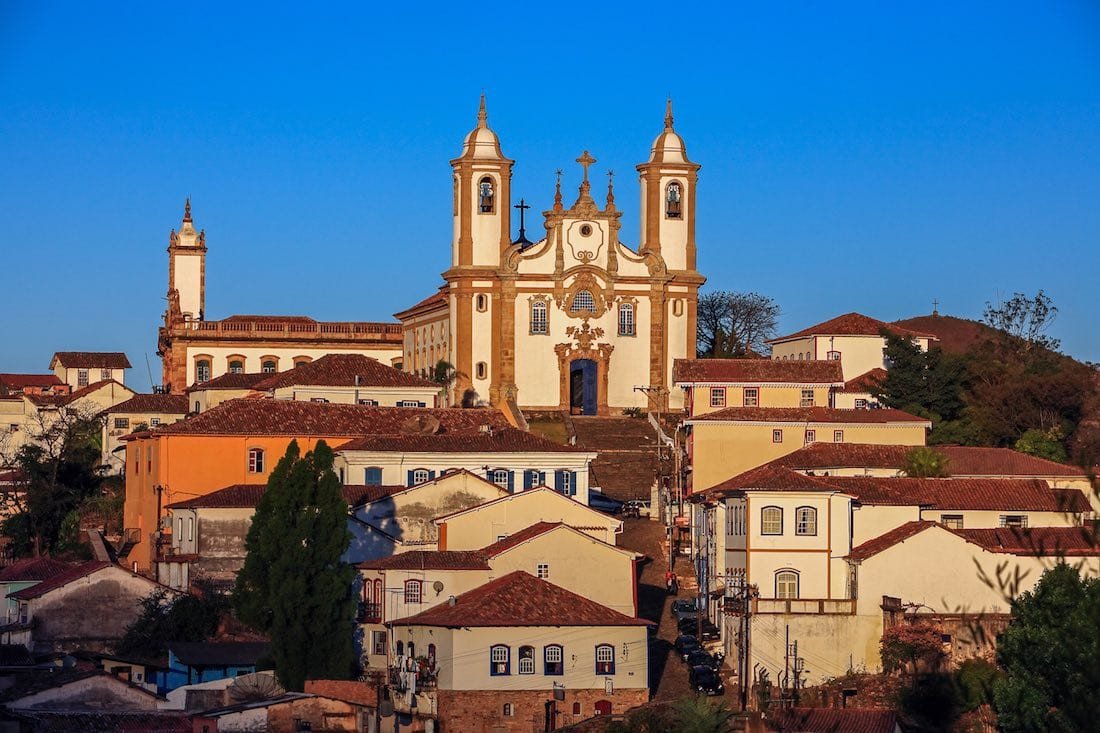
(706,680)
(684,608)
(606,504)
(691,626)
(685,644)
(702,658)
(636,508)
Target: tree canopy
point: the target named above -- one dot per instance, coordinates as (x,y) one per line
(734,325)
(294,585)
(164,620)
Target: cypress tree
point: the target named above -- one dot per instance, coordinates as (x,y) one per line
(293,585)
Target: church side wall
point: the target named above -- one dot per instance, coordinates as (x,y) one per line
(284,353)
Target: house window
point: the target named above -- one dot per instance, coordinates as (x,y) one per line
(122,423)
(576,708)
(509,709)
(833,356)
(717,397)
(583,302)
(626,319)
(372,476)
(236,367)
(805,520)
(410,403)
(540,321)
(861,404)
(542,570)
(811,436)
(807,398)
(771,520)
(533,477)
(605,659)
(752,396)
(564,482)
(104,374)
(786,584)
(526,660)
(1014,520)
(673,196)
(190,529)
(777,436)
(81,377)
(378,643)
(501,477)
(268,367)
(197,405)
(482,370)
(369,403)
(838,436)
(486,197)
(952,521)
(255,460)
(154,422)
(301,362)
(553,660)
(412,591)
(420,475)
(320,400)
(202,371)
(500,662)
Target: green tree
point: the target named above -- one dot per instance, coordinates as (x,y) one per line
(163,620)
(293,585)
(1023,321)
(929,383)
(696,714)
(1044,444)
(1050,654)
(924,462)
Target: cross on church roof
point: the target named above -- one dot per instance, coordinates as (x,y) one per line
(586,160)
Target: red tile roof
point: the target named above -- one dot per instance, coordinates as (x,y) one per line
(75,572)
(19,381)
(807,415)
(519,599)
(344,370)
(518,538)
(33,568)
(91,359)
(164,404)
(287,417)
(430,560)
(962,460)
(500,440)
(247,496)
(851,324)
(67,399)
(231,380)
(837,720)
(866,381)
(1037,541)
(521,496)
(975,494)
(769,478)
(885,541)
(436,300)
(755,371)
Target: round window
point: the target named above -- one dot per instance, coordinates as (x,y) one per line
(586,230)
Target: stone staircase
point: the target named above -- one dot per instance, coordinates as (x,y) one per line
(629,461)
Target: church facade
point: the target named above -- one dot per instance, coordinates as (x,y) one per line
(578,320)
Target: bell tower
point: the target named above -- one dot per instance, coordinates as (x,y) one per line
(668,182)
(187,267)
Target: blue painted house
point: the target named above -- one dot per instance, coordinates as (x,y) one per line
(191,662)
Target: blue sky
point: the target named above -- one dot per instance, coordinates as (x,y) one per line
(866,157)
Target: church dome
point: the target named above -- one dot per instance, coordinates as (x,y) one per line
(482,142)
(669,146)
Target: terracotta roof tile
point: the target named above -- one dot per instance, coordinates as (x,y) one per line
(33,568)
(755,371)
(246,496)
(500,440)
(91,359)
(851,324)
(519,599)
(165,404)
(344,370)
(287,417)
(518,538)
(866,381)
(430,560)
(66,399)
(827,415)
(975,494)
(73,573)
(19,381)
(1037,541)
(529,495)
(887,540)
(768,478)
(437,299)
(231,380)
(837,720)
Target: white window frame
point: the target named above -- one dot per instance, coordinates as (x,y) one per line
(525,665)
(754,400)
(626,320)
(413,591)
(717,396)
(777,436)
(540,318)
(838,436)
(542,570)
(807,399)
(952,521)
(256,460)
(805,521)
(810,436)
(420,475)
(782,584)
(769,524)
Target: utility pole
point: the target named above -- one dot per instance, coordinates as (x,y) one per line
(738,603)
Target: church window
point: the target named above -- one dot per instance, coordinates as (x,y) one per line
(269,366)
(481,302)
(486,197)
(540,323)
(583,301)
(481,370)
(202,371)
(752,396)
(677,307)
(527,660)
(807,398)
(255,460)
(626,319)
(673,195)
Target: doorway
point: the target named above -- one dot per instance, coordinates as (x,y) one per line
(582,387)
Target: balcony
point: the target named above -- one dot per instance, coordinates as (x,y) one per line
(423,673)
(369,613)
(818,606)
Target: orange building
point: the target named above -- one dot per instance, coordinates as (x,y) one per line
(241,441)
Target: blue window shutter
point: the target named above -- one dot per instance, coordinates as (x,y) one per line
(431,475)
(541,480)
(410,478)
(511,482)
(528,479)
(559,481)
(573,483)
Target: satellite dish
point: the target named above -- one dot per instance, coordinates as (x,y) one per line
(421,425)
(438,586)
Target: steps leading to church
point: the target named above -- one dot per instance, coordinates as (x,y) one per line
(628,463)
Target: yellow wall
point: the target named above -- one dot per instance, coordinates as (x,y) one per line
(482,526)
(769,395)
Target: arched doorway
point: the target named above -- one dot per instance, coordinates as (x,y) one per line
(583,392)
(603,707)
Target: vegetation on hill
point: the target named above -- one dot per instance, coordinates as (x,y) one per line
(162,621)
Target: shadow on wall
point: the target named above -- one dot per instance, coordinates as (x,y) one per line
(375,532)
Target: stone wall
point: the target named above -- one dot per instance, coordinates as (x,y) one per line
(482,711)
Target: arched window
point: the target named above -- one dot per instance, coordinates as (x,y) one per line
(605,659)
(202,371)
(301,361)
(486,196)
(236,367)
(540,322)
(805,520)
(786,584)
(553,660)
(481,370)
(527,660)
(583,302)
(500,660)
(673,194)
(771,520)
(626,319)
(255,460)
(481,302)
(269,367)
(420,475)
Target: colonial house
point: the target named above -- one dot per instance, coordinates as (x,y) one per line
(24,574)
(351,379)
(29,415)
(140,412)
(856,392)
(203,396)
(710,385)
(81,368)
(516,652)
(33,384)
(853,339)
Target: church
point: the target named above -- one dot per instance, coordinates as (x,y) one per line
(576,321)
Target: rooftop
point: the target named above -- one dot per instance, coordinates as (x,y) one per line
(769,477)
(1035,541)
(91,359)
(231,380)
(866,381)
(820,415)
(851,324)
(756,371)
(429,560)
(500,440)
(438,299)
(837,720)
(165,404)
(33,568)
(344,370)
(247,496)
(20,381)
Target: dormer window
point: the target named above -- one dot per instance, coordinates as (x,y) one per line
(673,196)
(486,197)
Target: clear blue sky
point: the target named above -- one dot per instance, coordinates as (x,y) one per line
(864,157)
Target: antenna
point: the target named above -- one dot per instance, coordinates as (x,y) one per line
(149,370)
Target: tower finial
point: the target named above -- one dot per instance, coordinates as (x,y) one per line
(482,115)
(187,210)
(557,192)
(610,191)
(668,113)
